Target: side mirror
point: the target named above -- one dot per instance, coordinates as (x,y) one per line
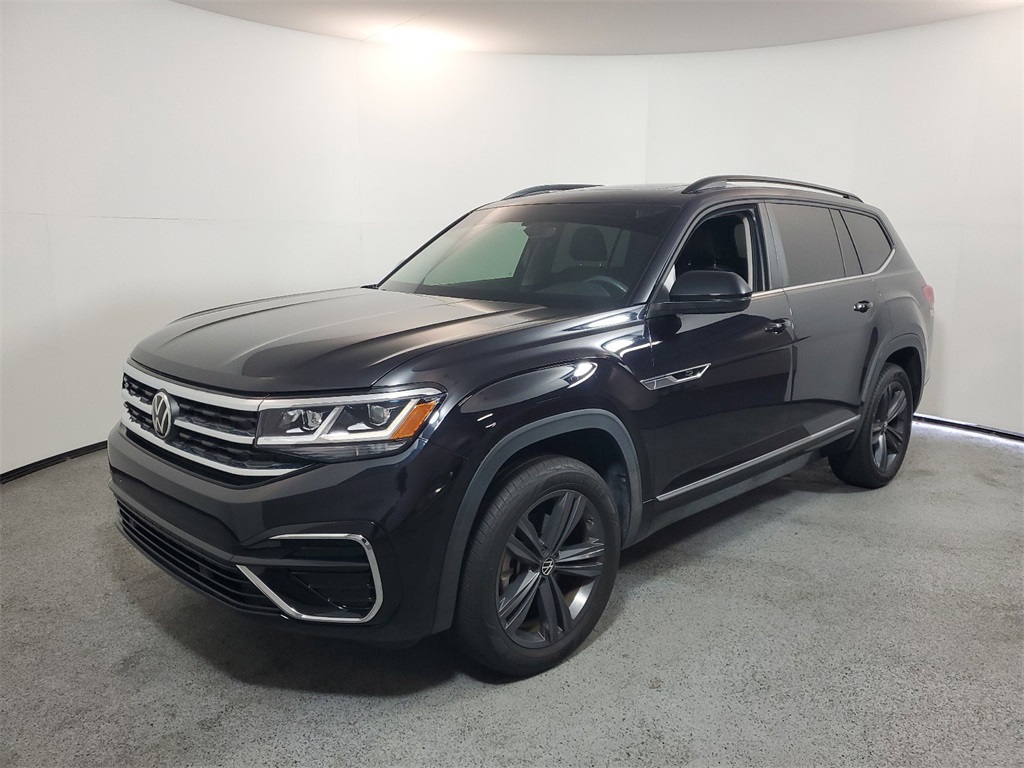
(706,291)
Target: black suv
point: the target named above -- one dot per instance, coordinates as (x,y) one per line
(469,443)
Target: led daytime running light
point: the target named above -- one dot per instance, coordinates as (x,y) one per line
(383,418)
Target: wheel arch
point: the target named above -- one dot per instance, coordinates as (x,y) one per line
(571,434)
(906,351)
(909,359)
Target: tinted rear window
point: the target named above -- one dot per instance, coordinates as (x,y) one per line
(850,260)
(809,243)
(873,246)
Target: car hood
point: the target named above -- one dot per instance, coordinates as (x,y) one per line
(334,340)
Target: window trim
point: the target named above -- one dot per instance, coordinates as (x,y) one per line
(885,263)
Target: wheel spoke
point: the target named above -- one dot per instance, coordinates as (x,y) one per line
(883,407)
(554,611)
(897,405)
(893,439)
(583,560)
(881,450)
(563,518)
(515,603)
(525,544)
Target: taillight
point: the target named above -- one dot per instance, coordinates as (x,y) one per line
(929,295)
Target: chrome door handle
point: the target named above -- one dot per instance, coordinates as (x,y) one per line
(776,326)
(862,306)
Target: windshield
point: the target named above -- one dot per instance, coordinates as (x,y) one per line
(575,255)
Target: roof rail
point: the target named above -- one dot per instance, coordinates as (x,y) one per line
(546,188)
(720,182)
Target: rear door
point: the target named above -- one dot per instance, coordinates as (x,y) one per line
(838,315)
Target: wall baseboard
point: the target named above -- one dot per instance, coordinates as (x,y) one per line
(28,469)
(966,426)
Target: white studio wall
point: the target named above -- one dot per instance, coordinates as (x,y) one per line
(159,159)
(926,123)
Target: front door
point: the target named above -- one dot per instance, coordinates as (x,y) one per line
(721,381)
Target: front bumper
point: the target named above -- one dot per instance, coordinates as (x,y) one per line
(327,579)
(352,549)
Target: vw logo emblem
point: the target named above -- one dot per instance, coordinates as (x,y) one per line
(165,411)
(547,566)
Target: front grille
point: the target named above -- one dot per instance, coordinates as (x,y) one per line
(233,422)
(209,575)
(212,432)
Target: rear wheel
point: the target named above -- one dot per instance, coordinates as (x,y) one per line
(540,567)
(881,445)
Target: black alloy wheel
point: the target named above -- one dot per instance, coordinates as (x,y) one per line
(552,559)
(540,566)
(876,454)
(890,426)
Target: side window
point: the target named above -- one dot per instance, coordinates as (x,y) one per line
(726,242)
(873,246)
(809,243)
(846,244)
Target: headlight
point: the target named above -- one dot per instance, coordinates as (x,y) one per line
(339,428)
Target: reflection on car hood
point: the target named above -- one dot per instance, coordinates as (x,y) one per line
(333,340)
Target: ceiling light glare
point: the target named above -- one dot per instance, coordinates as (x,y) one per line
(417,38)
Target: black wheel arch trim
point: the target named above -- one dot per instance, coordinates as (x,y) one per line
(885,351)
(508,446)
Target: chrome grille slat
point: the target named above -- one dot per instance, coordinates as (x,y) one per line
(235,436)
(229,436)
(147,435)
(213,430)
(219,420)
(231,402)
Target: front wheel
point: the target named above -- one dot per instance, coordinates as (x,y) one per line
(881,444)
(540,567)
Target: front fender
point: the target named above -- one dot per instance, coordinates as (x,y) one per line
(507,447)
(501,420)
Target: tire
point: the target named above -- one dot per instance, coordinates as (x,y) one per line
(881,444)
(540,567)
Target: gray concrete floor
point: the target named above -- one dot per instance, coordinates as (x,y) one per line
(804,624)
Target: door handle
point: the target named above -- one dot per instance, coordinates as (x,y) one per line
(776,326)
(862,306)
